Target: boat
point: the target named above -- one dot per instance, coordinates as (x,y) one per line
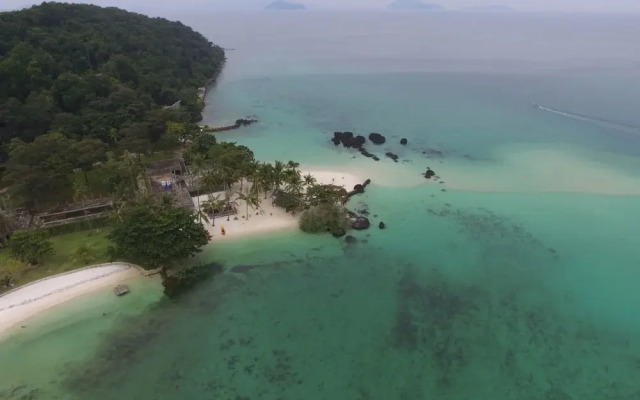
(121,290)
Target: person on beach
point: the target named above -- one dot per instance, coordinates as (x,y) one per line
(223,231)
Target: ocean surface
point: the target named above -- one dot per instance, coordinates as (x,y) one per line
(515,275)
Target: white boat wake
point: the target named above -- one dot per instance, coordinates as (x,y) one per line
(599,121)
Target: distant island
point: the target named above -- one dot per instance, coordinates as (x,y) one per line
(496,7)
(414,5)
(285,5)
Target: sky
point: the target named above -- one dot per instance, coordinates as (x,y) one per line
(617,6)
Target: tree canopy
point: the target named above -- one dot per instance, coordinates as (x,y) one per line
(99,73)
(156,234)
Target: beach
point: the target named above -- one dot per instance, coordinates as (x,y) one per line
(31,300)
(267,218)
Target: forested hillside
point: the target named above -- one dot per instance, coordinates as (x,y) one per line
(100,73)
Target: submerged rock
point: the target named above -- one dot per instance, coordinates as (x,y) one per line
(403,141)
(349,239)
(381,225)
(338,232)
(392,156)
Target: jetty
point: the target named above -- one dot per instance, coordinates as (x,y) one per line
(238,124)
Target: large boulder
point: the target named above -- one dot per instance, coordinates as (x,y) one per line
(361,223)
(377,138)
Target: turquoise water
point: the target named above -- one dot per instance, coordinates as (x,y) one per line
(516,278)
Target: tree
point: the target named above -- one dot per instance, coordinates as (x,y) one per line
(278,169)
(325,194)
(103,70)
(293,181)
(87,153)
(30,246)
(265,177)
(156,234)
(309,180)
(250,199)
(213,204)
(324,218)
(84,254)
(38,172)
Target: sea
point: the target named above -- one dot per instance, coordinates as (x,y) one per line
(514,275)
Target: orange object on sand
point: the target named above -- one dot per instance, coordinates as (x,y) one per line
(223,231)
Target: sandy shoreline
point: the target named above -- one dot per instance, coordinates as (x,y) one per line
(26,302)
(269,218)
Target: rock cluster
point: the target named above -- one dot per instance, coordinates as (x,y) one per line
(348,139)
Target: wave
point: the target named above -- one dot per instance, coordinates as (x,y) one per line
(587,118)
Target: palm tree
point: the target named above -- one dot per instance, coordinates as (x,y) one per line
(265,176)
(309,180)
(202,215)
(80,191)
(278,169)
(119,205)
(294,182)
(250,170)
(251,199)
(197,166)
(211,205)
(229,202)
(84,254)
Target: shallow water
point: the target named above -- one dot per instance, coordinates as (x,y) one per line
(514,279)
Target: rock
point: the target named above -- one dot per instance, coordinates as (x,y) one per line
(361,223)
(365,153)
(358,188)
(358,141)
(377,138)
(375,158)
(381,225)
(392,156)
(350,239)
(338,232)
(403,141)
(335,141)
(429,173)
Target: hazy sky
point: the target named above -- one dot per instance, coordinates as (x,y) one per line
(524,5)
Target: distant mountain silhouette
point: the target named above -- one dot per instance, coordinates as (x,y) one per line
(285,5)
(414,5)
(496,7)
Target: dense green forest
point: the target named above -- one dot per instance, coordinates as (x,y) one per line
(89,79)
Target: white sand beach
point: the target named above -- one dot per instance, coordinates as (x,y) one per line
(269,218)
(25,302)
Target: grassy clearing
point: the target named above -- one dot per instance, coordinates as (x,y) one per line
(62,261)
